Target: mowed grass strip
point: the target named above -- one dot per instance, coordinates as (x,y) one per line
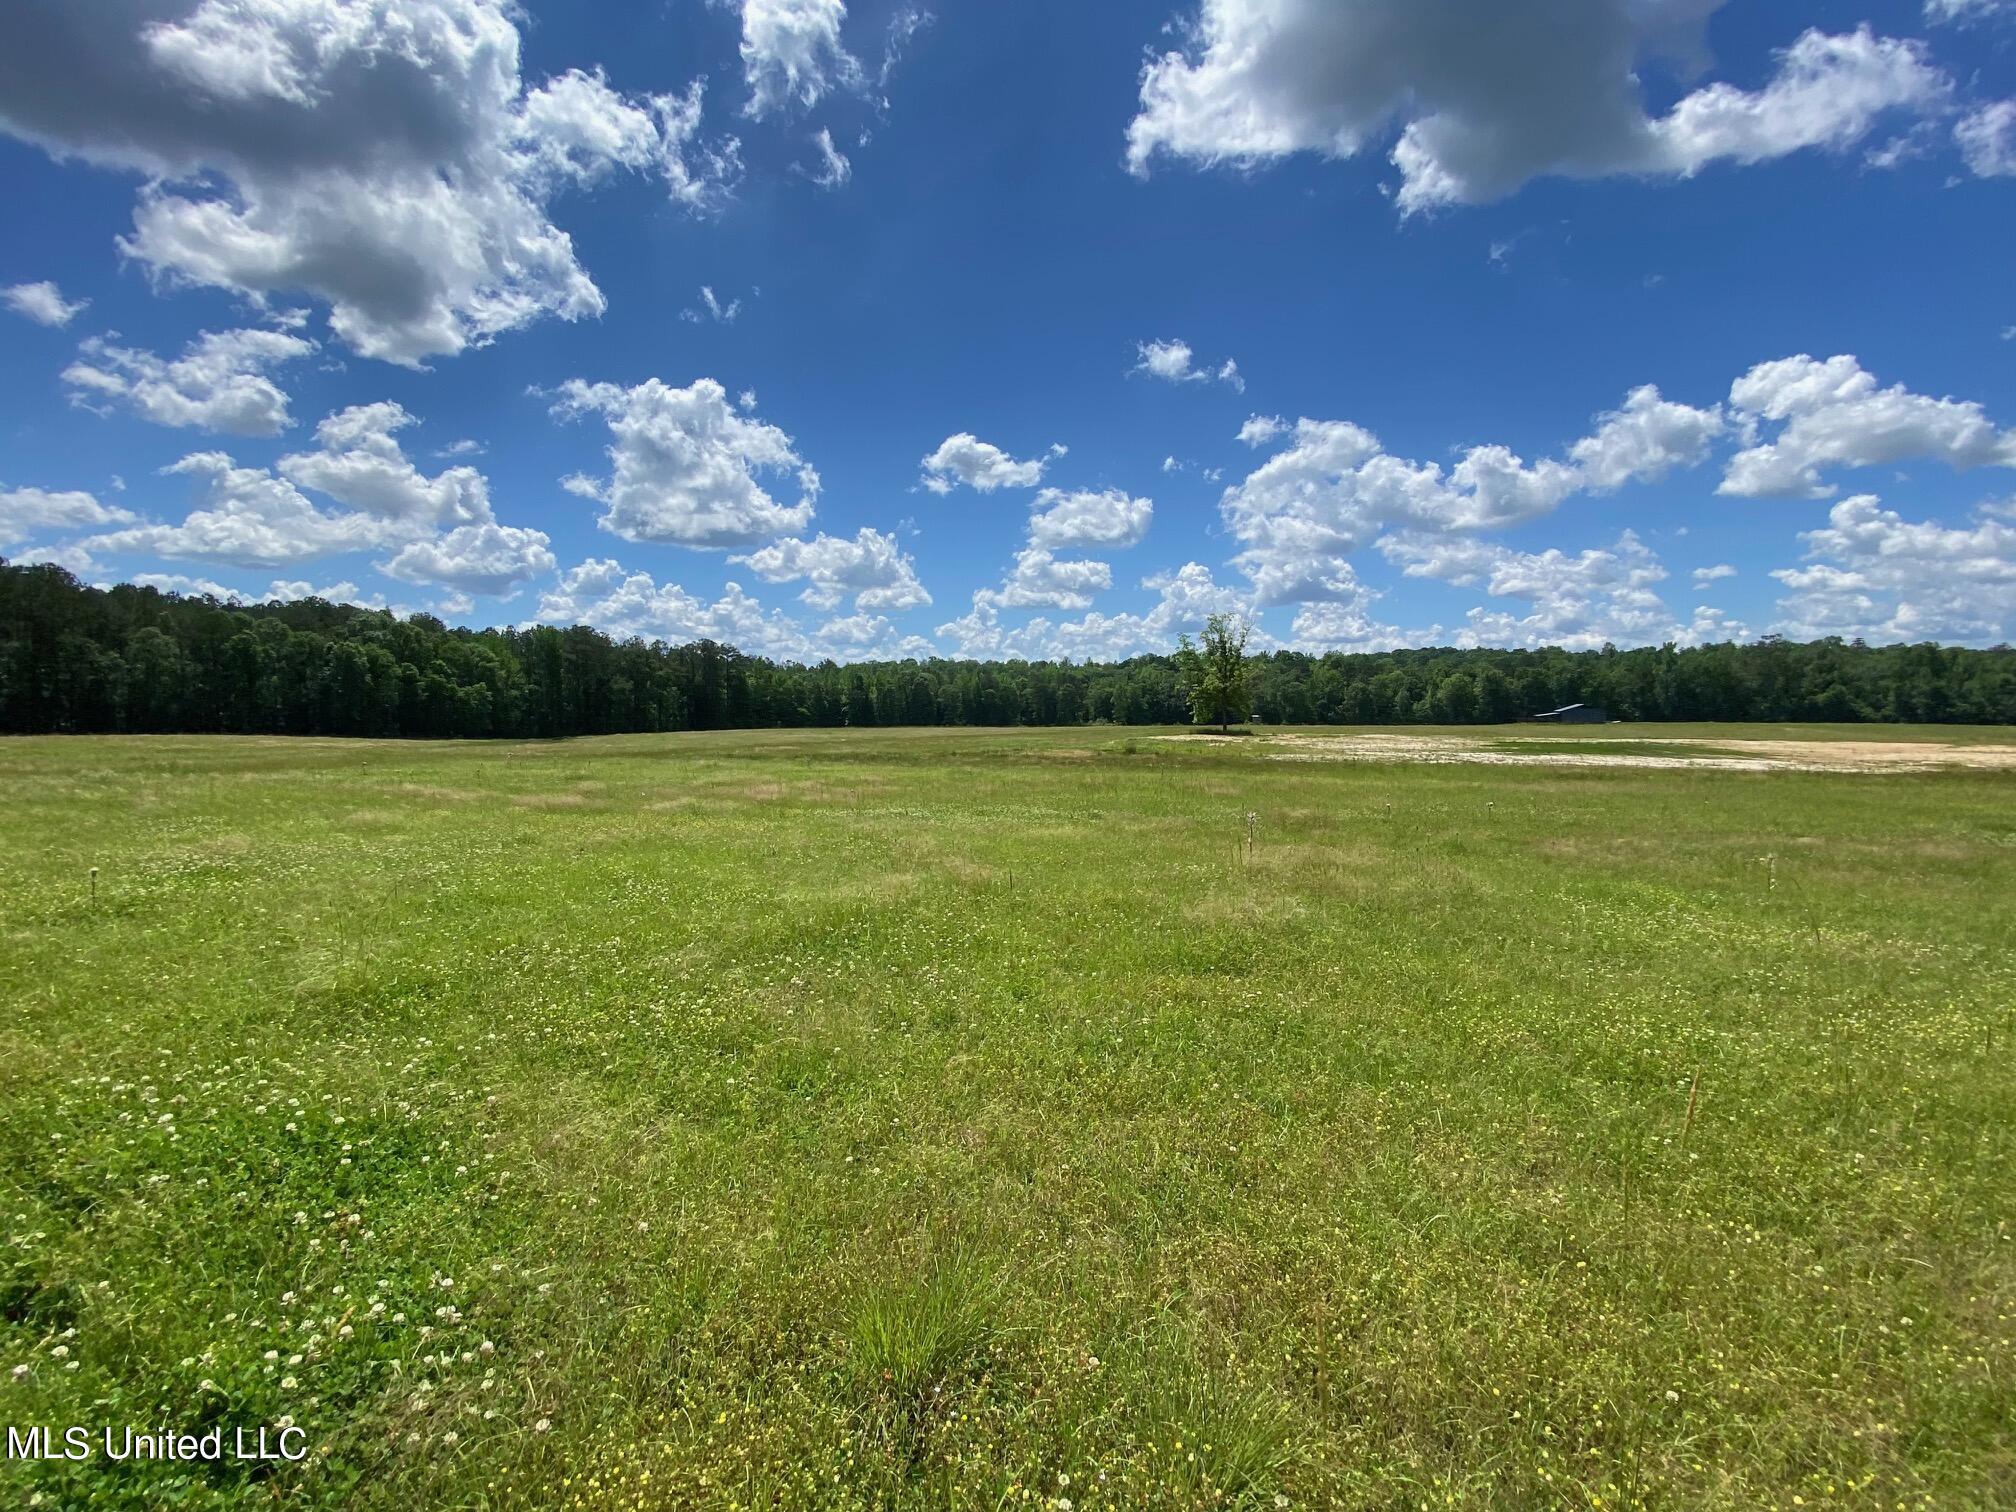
(927,1119)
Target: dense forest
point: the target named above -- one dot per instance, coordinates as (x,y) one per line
(80,659)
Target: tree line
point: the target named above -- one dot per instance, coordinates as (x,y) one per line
(77,659)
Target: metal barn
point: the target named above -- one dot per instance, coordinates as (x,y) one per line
(1572,714)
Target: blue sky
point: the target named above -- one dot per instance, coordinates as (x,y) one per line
(886,329)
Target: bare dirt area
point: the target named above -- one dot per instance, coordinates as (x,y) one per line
(1716,755)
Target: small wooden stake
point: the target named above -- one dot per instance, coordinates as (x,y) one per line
(1693,1096)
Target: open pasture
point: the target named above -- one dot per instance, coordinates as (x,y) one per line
(1006,1119)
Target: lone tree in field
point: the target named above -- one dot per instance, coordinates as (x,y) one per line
(1214,677)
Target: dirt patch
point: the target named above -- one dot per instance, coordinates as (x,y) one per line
(1731,755)
(1880,755)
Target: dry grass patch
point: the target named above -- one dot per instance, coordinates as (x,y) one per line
(1257,908)
(972,873)
(1313,858)
(431,791)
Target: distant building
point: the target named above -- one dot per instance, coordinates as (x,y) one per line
(1572,714)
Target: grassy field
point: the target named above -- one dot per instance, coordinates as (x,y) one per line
(977,1119)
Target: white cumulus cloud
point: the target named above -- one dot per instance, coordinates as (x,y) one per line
(1832,415)
(1173,362)
(877,573)
(1645,440)
(43,303)
(1987,139)
(1578,601)
(246,518)
(292,591)
(440,529)
(219,383)
(1335,487)
(487,559)
(1874,574)
(599,592)
(385,156)
(687,466)
(27,512)
(359,463)
(792,54)
(1485,98)
(1039,580)
(1186,598)
(1259,430)
(980,465)
(1059,520)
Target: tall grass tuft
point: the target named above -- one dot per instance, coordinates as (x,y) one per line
(911,1344)
(1225,1445)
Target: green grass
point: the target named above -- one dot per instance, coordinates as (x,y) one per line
(967,1119)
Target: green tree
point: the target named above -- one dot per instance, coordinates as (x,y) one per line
(77,658)
(1214,675)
